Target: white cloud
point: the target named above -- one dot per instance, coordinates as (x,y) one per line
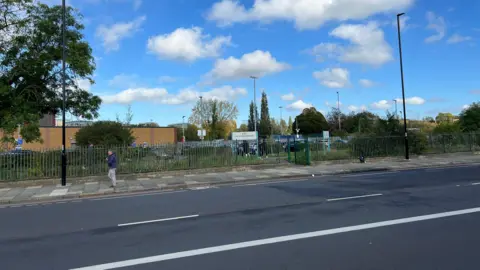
(112,35)
(333,78)
(161,95)
(136,94)
(84,84)
(456,38)
(368,44)
(325,50)
(412,101)
(306,14)
(354,108)
(187,45)
(380,105)
(465,107)
(124,80)
(167,79)
(288,97)
(257,63)
(299,105)
(366,83)
(438,25)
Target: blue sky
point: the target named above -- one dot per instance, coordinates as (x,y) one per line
(160,55)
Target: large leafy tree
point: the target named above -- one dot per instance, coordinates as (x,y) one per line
(470,118)
(30,67)
(362,122)
(265,128)
(310,121)
(212,115)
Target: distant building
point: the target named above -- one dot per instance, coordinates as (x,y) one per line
(77,123)
(48,120)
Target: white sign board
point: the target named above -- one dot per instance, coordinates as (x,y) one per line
(244,136)
(201,133)
(326,134)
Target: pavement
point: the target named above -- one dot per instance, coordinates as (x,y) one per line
(32,191)
(426,218)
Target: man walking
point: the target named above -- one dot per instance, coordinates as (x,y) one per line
(112,167)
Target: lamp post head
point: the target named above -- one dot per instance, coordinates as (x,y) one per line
(400,14)
(253,77)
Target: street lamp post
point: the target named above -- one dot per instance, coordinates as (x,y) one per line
(339,115)
(64,98)
(183,128)
(396,114)
(403,85)
(255,105)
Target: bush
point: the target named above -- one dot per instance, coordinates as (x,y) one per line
(104,133)
(418,142)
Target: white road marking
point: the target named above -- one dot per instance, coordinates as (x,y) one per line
(367,174)
(354,197)
(474,184)
(156,220)
(273,240)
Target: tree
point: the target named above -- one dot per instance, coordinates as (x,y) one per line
(362,122)
(390,126)
(290,124)
(104,133)
(283,126)
(30,67)
(445,127)
(243,128)
(429,119)
(470,118)
(444,118)
(276,127)
(147,124)
(251,117)
(209,114)
(265,128)
(332,118)
(310,121)
(191,132)
(128,116)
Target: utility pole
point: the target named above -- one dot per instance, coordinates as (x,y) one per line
(403,85)
(396,115)
(255,105)
(296,126)
(339,114)
(201,118)
(183,128)
(64,98)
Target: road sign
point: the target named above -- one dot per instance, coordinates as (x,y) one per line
(326,134)
(244,136)
(201,133)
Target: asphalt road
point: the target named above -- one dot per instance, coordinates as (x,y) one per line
(418,219)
